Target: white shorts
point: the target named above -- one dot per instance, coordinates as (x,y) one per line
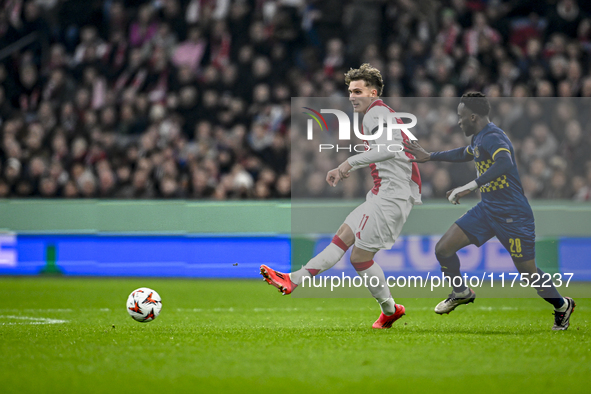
(377,223)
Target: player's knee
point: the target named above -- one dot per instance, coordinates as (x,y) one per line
(442,249)
(346,234)
(360,256)
(355,258)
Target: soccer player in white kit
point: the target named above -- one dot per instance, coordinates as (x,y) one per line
(377,223)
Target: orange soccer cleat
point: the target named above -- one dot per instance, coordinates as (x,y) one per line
(278,279)
(385,321)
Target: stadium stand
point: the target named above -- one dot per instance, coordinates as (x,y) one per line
(191,98)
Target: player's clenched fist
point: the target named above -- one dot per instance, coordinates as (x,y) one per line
(332,177)
(341,172)
(454,195)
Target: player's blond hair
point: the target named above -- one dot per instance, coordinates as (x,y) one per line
(370,75)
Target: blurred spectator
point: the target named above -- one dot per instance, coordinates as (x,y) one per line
(545,142)
(144,28)
(480,34)
(580,190)
(190,53)
(575,149)
(565,18)
(558,186)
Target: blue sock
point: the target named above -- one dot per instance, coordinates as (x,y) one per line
(549,294)
(450,266)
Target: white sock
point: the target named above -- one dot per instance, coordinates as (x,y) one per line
(387,305)
(380,291)
(320,263)
(564,306)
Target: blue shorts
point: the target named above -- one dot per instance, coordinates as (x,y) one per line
(517,235)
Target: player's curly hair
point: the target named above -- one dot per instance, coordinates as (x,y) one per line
(476,102)
(367,73)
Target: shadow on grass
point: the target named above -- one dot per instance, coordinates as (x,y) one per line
(472,331)
(307,332)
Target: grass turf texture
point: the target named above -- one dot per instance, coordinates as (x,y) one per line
(242,336)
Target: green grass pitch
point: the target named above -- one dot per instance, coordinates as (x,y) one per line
(73,335)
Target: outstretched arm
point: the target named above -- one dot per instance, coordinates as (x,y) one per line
(421,155)
(376,154)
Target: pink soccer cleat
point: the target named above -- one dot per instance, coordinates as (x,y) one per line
(385,321)
(278,279)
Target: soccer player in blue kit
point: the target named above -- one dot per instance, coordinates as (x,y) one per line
(504,211)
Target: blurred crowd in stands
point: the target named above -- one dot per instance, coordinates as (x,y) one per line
(191,98)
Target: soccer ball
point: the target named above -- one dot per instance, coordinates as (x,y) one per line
(144,304)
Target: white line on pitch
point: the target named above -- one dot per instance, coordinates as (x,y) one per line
(37,310)
(30,320)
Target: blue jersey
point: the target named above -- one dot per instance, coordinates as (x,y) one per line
(502,198)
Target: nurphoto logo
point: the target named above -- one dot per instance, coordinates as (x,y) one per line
(393,122)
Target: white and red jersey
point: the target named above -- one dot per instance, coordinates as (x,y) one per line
(394,176)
